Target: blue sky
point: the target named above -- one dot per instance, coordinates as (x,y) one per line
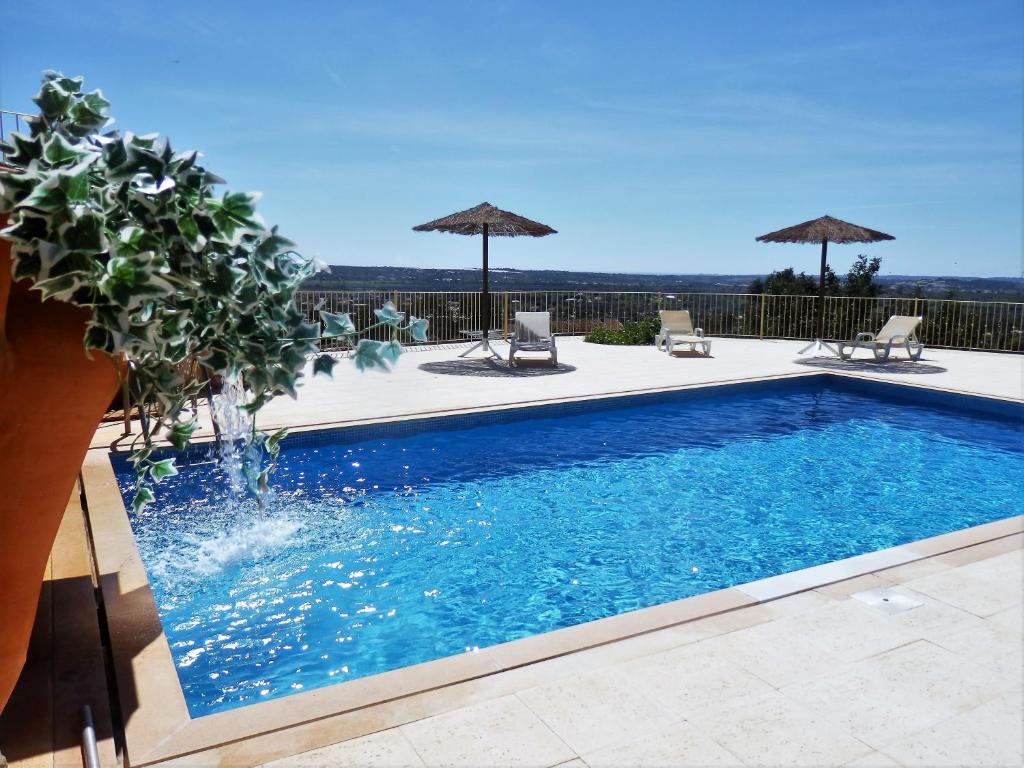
(655,136)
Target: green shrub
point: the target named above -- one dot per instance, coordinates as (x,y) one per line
(638,333)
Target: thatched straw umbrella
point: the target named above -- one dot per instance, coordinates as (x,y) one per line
(488,221)
(824,230)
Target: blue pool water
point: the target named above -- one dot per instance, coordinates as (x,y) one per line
(388,547)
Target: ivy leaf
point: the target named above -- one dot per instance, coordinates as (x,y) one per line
(366,355)
(89,111)
(236,210)
(47,196)
(52,99)
(324,364)
(158,470)
(85,233)
(390,352)
(389,314)
(181,433)
(143,496)
(130,281)
(60,288)
(75,182)
(140,455)
(418,328)
(22,150)
(59,151)
(337,324)
(273,443)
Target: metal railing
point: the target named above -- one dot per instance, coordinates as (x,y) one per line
(979,325)
(13,121)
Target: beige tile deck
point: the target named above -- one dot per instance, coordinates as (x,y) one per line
(435,380)
(598,709)
(679,744)
(936,685)
(388,749)
(991,734)
(499,732)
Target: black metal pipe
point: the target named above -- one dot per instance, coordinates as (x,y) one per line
(485,299)
(820,325)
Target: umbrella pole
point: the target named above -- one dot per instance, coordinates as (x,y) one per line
(485,302)
(820,326)
(818,342)
(484,344)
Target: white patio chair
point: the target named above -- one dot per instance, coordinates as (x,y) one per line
(677,328)
(532,334)
(899,331)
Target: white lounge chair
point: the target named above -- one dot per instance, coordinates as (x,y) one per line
(899,331)
(677,328)
(532,334)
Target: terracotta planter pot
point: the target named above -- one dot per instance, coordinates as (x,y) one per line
(51,400)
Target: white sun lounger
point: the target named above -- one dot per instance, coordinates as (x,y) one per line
(677,328)
(532,334)
(899,331)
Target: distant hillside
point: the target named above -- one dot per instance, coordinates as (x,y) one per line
(353,278)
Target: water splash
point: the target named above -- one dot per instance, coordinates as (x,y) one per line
(247,542)
(240,458)
(235,423)
(193,557)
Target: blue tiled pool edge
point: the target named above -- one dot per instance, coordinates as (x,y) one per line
(406,425)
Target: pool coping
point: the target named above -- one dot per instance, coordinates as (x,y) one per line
(157,723)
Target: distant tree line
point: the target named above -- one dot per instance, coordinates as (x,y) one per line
(859,281)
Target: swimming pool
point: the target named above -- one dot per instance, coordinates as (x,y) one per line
(401,543)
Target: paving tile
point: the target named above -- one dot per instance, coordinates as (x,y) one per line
(1007,567)
(991,644)
(991,734)
(895,694)
(596,710)
(977,591)
(851,630)
(680,745)
(873,760)
(777,652)
(1012,619)
(387,749)
(498,732)
(775,730)
(691,680)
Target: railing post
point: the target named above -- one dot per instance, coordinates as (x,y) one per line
(394,300)
(505,316)
(760,333)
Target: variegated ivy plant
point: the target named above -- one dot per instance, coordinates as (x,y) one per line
(123,225)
